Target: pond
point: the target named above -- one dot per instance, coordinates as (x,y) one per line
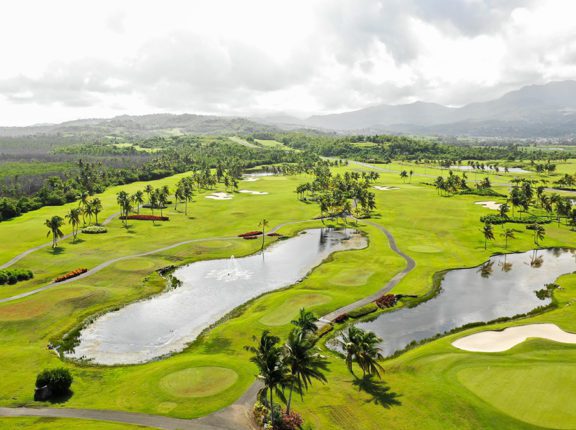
(166,323)
(502,287)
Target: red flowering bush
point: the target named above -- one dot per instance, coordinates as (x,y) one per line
(146,217)
(249,237)
(274,234)
(71,274)
(250,233)
(386,301)
(341,318)
(291,421)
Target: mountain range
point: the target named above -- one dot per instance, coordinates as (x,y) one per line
(536,111)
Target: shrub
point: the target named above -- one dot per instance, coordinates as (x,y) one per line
(386,301)
(146,217)
(291,421)
(325,330)
(249,237)
(58,380)
(364,310)
(260,413)
(341,318)
(497,219)
(250,233)
(274,234)
(11,276)
(71,274)
(94,229)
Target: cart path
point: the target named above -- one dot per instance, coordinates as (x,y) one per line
(36,248)
(125,257)
(233,417)
(410,265)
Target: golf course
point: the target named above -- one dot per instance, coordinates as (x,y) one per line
(431,385)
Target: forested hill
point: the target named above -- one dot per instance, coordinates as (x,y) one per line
(142,126)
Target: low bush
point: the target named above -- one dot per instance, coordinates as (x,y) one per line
(71,274)
(146,217)
(250,233)
(249,237)
(386,301)
(291,421)
(274,234)
(58,380)
(325,330)
(94,229)
(364,310)
(341,318)
(497,219)
(487,192)
(11,276)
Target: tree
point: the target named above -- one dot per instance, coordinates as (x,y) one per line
(403,175)
(539,233)
(54,225)
(74,220)
(306,321)
(123,200)
(263,224)
(88,210)
(272,369)
(138,199)
(488,232)
(304,362)
(149,190)
(508,234)
(96,207)
(58,380)
(361,347)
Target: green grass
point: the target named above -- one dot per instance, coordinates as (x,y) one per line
(272,144)
(198,381)
(28,168)
(424,389)
(61,423)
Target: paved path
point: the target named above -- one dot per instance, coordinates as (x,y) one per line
(36,248)
(410,264)
(233,417)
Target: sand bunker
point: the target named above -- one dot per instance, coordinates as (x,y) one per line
(258,193)
(219,196)
(489,205)
(251,179)
(498,341)
(378,187)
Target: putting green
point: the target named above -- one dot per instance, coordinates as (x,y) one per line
(198,381)
(214,244)
(134,264)
(352,277)
(541,394)
(426,249)
(286,312)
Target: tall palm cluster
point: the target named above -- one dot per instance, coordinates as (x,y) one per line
(362,347)
(289,367)
(340,195)
(87,208)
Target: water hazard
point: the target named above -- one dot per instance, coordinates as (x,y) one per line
(166,323)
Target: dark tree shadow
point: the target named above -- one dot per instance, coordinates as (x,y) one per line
(77,241)
(379,390)
(58,250)
(61,398)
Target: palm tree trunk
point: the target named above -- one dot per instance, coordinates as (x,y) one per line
(271,407)
(290,397)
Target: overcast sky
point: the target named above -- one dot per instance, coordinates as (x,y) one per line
(63,60)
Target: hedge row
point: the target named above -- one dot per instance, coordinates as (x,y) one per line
(146,217)
(364,310)
(11,276)
(71,274)
(94,229)
(250,233)
(497,219)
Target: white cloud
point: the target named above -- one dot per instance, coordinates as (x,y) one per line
(66,59)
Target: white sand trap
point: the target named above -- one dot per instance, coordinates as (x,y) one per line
(219,196)
(251,179)
(257,193)
(378,187)
(498,341)
(489,205)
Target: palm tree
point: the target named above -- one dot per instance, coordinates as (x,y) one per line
(539,233)
(488,232)
(148,190)
(403,175)
(508,234)
(263,224)
(306,321)
(74,219)
(362,347)
(161,198)
(96,207)
(304,361)
(54,225)
(188,193)
(88,210)
(272,369)
(125,207)
(138,199)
